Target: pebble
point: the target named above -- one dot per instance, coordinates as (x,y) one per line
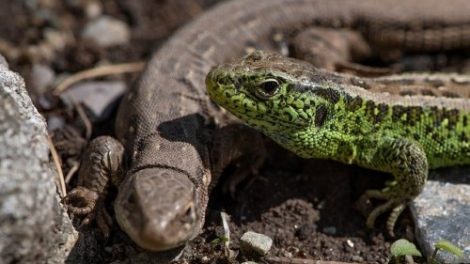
(107,31)
(350,243)
(42,76)
(55,122)
(57,40)
(329,230)
(252,242)
(357,259)
(93,9)
(97,96)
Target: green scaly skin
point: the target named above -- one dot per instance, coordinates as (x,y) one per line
(317,114)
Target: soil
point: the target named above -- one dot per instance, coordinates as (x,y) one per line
(306,206)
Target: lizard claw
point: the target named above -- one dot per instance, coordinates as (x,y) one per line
(85,202)
(395,205)
(81,201)
(104,222)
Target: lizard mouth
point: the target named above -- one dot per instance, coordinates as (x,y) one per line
(157,237)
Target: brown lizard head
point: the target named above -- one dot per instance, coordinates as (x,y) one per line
(156,208)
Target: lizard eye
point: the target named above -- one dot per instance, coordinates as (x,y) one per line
(267,88)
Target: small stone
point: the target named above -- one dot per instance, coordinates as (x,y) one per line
(93,9)
(350,243)
(106,31)
(42,76)
(98,97)
(108,249)
(357,259)
(55,122)
(249,262)
(57,40)
(255,242)
(442,211)
(330,230)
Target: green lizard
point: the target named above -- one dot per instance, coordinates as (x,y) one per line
(374,123)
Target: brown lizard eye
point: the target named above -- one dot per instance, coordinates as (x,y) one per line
(267,89)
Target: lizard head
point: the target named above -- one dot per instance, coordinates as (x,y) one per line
(268,91)
(157,208)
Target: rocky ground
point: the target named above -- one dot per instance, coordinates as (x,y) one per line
(306,207)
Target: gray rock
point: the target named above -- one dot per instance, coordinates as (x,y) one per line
(107,32)
(96,96)
(33,226)
(442,211)
(253,242)
(3,63)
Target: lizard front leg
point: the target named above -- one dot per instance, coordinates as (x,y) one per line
(407,161)
(101,163)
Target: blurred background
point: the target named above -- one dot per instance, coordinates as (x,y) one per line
(43,39)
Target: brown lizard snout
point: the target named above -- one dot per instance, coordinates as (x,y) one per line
(157,208)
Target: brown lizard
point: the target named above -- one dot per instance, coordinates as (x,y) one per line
(167,169)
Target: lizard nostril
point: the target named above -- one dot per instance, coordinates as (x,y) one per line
(131,198)
(189,214)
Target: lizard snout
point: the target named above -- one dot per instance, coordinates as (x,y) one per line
(158,208)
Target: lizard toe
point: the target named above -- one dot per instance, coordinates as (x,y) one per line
(396,206)
(81,201)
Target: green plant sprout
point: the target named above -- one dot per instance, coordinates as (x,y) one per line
(404,249)
(445,246)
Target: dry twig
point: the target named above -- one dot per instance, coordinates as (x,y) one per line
(60,182)
(97,72)
(86,121)
(72,171)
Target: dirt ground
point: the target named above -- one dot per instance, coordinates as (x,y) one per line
(306,206)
